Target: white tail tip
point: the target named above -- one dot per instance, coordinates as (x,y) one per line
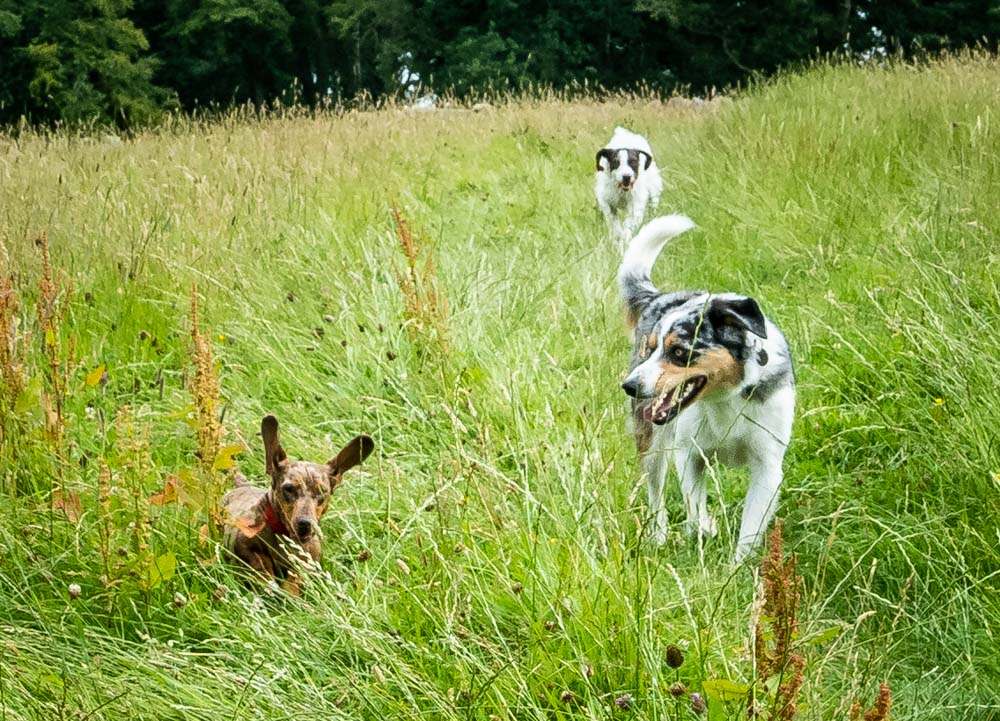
(649,241)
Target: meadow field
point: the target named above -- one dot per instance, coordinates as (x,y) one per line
(488,561)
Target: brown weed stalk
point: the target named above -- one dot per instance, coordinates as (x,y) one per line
(782,592)
(53,298)
(134,470)
(878,712)
(12,345)
(13,363)
(776,656)
(104,521)
(206,393)
(425,305)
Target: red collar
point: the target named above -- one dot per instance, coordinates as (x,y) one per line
(272,519)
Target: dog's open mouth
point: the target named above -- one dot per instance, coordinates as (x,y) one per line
(666,407)
(626,186)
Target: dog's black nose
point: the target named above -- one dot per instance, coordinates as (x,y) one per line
(631,387)
(303,528)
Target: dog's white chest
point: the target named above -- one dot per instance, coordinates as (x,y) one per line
(718,430)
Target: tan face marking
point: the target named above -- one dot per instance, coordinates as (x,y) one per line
(719,368)
(631,321)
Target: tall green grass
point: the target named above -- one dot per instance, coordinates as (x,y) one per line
(490,557)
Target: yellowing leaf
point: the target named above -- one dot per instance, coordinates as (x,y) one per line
(723,689)
(68,503)
(224,460)
(180,414)
(50,338)
(167,495)
(94,377)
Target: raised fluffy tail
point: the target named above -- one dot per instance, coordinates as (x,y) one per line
(633,277)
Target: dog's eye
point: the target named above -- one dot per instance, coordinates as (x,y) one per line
(679,353)
(290,491)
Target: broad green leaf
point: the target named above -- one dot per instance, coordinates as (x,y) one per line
(28,399)
(722,689)
(771,685)
(52,680)
(823,636)
(161,569)
(191,493)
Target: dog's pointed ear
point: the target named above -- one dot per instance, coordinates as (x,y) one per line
(357,450)
(607,154)
(274,454)
(649,159)
(740,312)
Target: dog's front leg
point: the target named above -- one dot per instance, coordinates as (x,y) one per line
(292,584)
(655,463)
(635,213)
(261,563)
(613,224)
(691,471)
(760,505)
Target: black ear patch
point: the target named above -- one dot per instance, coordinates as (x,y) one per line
(648,161)
(738,312)
(608,154)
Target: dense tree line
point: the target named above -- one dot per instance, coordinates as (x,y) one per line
(126,61)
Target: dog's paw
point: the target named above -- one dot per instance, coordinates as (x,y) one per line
(658,536)
(742,552)
(703,528)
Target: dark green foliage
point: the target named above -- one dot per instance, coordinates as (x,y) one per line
(225,51)
(908,24)
(78,62)
(123,61)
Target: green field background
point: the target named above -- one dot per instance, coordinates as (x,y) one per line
(488,561)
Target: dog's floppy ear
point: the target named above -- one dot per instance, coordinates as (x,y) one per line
(351,455)
(738,311)
(274,454)
(606,153)
(649,159)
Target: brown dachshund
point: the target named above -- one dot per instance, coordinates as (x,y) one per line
(292,507)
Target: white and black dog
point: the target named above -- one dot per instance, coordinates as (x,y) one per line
(711,380)
(627,181)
